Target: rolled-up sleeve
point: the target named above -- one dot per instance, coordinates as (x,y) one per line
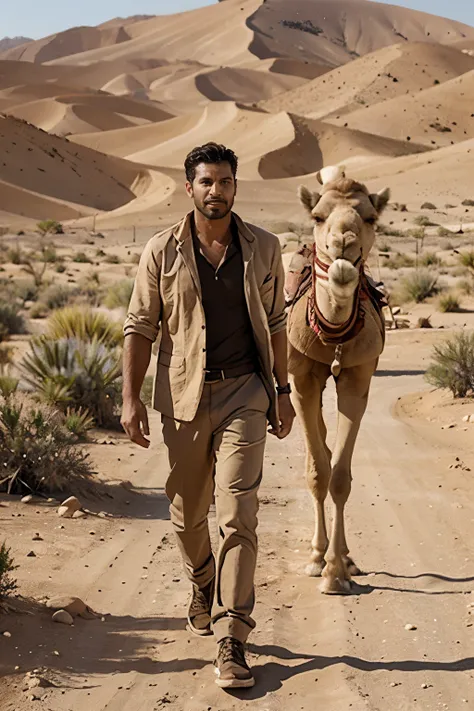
(144,311)
(277,317)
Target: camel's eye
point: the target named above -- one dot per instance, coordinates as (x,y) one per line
(371,220)
(318,219)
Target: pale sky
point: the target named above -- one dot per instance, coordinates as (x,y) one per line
(39,18)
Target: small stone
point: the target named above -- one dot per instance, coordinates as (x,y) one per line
(91,533)
(425,686)
(31,554)
(471,418)
(79,514)
(466,418)
(409,627)
(37,537)
(7,634)
(69,506)
(27,499)
(63,617)
(56,653)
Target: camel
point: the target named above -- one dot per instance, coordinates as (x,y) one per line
(335,327)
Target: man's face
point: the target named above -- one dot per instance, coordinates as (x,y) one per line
(213,190)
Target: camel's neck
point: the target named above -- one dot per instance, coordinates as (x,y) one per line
(335,294)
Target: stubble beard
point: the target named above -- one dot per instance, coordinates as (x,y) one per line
(217,212)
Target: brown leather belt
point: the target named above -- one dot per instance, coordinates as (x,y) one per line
(215,375)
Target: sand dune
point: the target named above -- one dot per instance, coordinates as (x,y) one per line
(51,168)
(388,73)
(336,31)
(70,114)
(442,176)
(290,85)
(330,32)
(269,146)
(70,42)
(438,116)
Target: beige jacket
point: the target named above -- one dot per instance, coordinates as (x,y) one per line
(167,300)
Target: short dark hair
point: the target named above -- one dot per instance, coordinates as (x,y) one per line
(209,153)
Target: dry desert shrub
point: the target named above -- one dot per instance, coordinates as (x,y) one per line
(8,584)
(449,303)
(37,453)
(400,261)
(119,295)
(418,286)
(466,259)
(452,366)
(430,259)
(466,286)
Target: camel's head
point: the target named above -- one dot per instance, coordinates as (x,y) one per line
(344,215)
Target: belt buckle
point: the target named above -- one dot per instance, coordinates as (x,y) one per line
(217,380)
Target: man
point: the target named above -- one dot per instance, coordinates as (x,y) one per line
(212,286)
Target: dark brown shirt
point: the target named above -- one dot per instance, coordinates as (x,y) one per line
(229,336)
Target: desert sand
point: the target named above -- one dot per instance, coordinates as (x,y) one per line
(288,87)
(94,127)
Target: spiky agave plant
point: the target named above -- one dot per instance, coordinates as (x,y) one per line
(86,374)
(86,325)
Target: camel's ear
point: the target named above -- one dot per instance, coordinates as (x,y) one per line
(308,199)
(380,200)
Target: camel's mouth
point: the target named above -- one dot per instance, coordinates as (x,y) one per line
(343,275)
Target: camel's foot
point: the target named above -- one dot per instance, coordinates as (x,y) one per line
(352,568)
(315,569)
(335,586)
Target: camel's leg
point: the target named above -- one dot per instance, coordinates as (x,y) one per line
(308,390)
(352,395)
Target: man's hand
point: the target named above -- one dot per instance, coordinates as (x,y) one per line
(287,416)
(135,422)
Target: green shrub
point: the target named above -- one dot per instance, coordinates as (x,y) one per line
(452,366)
(466,259)
(448,303)
(84,325)
(11,319)
(418,286)
(60,268)
(37,453)
(82,258)
(50,227)
(8,584)
(85,373)
(78,421)
(8,385)
(385,247)
(119,295)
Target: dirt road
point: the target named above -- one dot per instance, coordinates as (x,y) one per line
(410,527)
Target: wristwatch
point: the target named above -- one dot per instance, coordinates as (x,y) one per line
(284,390)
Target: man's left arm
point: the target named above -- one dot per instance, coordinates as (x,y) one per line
(277,324)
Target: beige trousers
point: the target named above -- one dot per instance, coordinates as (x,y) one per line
(220,451)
